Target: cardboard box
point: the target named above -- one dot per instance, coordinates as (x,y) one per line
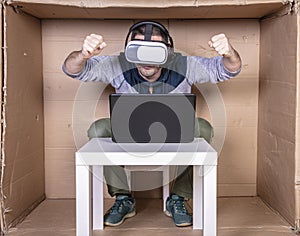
(43,125)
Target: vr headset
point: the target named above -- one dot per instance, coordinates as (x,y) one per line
(148,51)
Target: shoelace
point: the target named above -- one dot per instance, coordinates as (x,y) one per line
(117,205)
(180,207)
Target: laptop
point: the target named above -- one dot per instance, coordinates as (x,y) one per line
(152,118)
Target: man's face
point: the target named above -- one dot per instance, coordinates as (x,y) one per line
(149,72)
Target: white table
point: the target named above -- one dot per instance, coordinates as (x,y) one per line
(99,152)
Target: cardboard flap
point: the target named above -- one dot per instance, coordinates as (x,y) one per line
(143,9)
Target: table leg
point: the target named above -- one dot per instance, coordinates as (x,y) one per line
(198,197)
(83,201)
(166,180)
(98,197)
(210,201)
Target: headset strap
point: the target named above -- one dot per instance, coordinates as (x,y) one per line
(148,32)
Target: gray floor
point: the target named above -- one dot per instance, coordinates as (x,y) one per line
(238,216)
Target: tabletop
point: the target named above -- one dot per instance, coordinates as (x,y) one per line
(103,151)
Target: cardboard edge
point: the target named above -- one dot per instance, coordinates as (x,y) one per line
(25,213)
(297,148)
(118,9)
(148,4)
(3,81)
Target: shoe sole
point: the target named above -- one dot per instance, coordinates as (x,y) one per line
(167,213)
(129,215)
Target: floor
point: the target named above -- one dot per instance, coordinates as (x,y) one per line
(238,216)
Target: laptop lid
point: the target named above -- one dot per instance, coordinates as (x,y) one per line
(152,118)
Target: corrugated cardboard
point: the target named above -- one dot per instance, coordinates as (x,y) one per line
(297,150)
(59,215)
(270,72)
(23,137)
(277,114)
(179,9)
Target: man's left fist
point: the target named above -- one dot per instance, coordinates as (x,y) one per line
(221,44)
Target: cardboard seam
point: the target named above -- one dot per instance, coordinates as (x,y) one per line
(3,209)
(136,4)
(26,212)
(296,228)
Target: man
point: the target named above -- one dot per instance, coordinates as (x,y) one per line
(176,75)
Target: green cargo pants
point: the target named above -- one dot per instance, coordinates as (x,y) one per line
(115,176)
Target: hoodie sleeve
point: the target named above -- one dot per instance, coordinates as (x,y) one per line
(201,70)
(98,69)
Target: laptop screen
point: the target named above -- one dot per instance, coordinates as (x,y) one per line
(152,118)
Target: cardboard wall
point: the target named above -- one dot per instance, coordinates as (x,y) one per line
(277,113)
(23,141)
(2,221)
(71,106)
(297,152)
(143,9)
(269,46)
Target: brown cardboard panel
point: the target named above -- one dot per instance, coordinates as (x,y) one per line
(276,185)
(60,173)
(64,36)
(282,126)
(236,190)
(144,3)
(19,138)
(277,114)
(23,143)
(236,115)
(297,150)
(1,61)
(241,116)
(240,91)
(18,199)
(68,121)
(191,37)
(237,160)
(239,32)
(22,167)
(55,85)
(248,213)
(145,9)
(245,216)
(274,68)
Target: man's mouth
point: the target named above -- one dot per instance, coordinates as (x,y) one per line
(148,67)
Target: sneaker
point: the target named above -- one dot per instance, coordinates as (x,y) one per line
(176,209)
(124,207)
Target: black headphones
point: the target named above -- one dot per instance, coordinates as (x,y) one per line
(148,31)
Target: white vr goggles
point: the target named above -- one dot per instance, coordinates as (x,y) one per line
(146,52)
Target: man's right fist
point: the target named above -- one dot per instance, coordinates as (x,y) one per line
(92,45)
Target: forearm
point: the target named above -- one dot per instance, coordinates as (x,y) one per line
(232,62)
(75,62)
